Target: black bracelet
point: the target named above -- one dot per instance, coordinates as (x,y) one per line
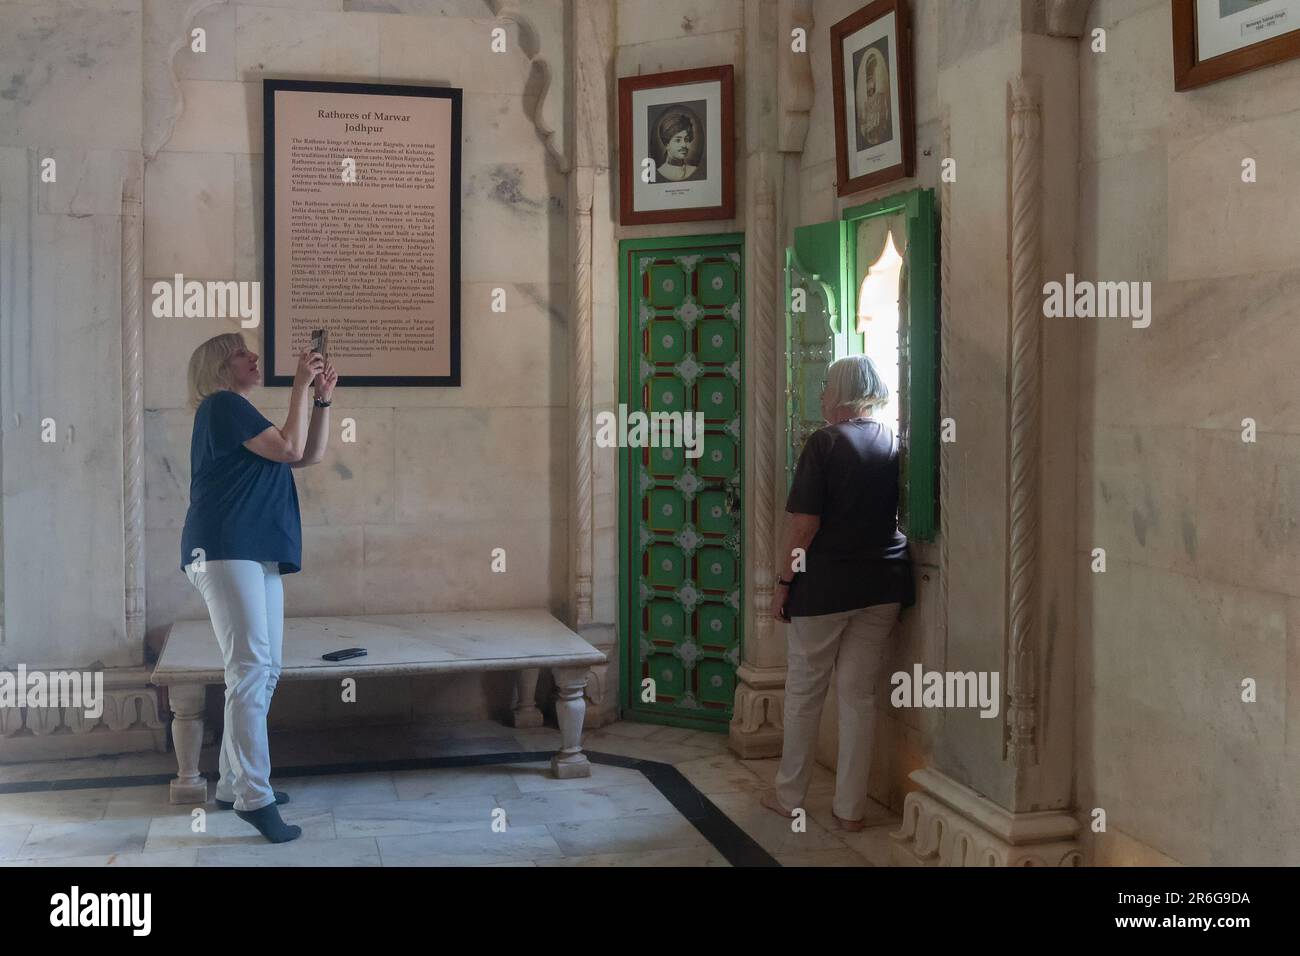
(320,404)
(784,583)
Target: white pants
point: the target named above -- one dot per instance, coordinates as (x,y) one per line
(246,604)
(855,645)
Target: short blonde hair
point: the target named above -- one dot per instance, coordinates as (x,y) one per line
(854,382)
(209,368)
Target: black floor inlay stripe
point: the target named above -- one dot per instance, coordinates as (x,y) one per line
(735,845)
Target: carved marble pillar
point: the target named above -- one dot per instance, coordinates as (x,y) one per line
(756,727)
(1026,388)
(580,330)
(133,409)
(947,822)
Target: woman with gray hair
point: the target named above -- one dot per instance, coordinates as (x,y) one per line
(243,531)
(845,575)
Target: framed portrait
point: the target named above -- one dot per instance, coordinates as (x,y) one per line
(1216,39)
(676,143)
(871,65)
(362,230)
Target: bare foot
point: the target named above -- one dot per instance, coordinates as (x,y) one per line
(770,801)
(853,826)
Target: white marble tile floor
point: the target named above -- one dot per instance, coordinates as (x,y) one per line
(440,816)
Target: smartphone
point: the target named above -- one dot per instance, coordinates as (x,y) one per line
(320,342)
(345,654)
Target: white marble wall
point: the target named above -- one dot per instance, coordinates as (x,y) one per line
(71,92)
(1199,527)
(406,518)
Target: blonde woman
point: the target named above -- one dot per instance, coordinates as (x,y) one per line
(845,575)
(242,531)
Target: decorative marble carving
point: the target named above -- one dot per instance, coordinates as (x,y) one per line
(1026,389)
(758,718)
(131,720)
(934,834)
(794,89)
(948,824)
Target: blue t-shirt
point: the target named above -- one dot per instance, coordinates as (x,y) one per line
(242,506)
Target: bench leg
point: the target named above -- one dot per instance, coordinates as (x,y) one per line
(187,734)
(570,709)
(526,712)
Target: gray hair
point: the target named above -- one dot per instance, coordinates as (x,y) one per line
(854,382)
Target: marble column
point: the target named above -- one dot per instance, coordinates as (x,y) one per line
(592,46)
(756,726)
(998,791)
(133,407)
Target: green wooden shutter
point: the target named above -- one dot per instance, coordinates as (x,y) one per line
(919,370)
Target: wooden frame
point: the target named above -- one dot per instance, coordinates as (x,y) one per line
(630,164)
(847,183)
(361,90)
(1191,72)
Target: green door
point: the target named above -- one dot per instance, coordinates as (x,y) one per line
(680,548)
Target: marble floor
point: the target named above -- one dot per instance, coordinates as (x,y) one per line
(438,816)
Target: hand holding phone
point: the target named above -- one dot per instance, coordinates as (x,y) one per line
(320,342)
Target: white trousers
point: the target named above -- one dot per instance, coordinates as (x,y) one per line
(246,604)
(855,645)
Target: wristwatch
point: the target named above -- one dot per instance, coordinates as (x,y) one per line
(321,404)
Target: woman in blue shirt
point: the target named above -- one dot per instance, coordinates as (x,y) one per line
(243,531)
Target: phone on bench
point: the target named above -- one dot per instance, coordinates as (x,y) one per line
(344,655)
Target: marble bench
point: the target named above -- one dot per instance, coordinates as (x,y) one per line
(397,644)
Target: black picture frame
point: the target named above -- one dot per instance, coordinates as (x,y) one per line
(269,88)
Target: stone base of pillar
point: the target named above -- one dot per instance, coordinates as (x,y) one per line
(757,726)
(130,722)
(948,824)
(602,679)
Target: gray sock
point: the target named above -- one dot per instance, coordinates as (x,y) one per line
(268,823)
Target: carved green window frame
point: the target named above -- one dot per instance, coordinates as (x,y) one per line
(822,262)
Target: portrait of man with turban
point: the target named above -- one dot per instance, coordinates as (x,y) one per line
(678,141)
(871,95)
